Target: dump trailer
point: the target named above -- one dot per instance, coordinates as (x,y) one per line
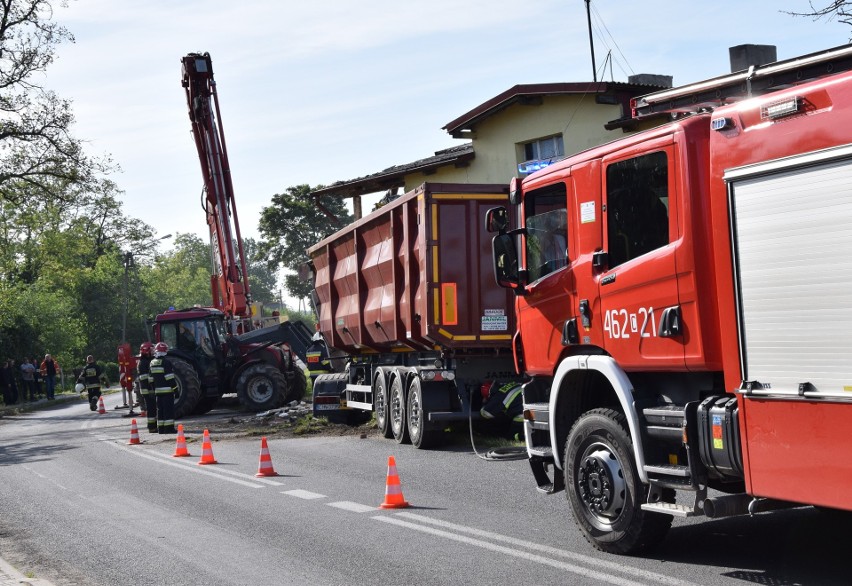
(690,330)
(407,295)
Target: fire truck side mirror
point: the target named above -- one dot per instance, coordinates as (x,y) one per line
(505,259)
(496,220)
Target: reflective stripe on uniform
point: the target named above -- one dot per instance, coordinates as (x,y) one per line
(511,397)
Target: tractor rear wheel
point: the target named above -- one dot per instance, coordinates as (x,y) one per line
(188,392)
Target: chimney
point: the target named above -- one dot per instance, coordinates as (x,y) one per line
(744,56)
(650,79)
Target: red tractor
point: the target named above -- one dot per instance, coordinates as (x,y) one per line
(209,361)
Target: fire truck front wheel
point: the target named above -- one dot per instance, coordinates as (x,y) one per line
(261,387)
(603,486)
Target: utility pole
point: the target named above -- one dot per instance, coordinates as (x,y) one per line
(591,41)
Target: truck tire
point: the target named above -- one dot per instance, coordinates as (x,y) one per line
(603,486)
(396,411)
(261,387)
(298,386)
(421,437)
(380,405)
(205,405)
(188,392)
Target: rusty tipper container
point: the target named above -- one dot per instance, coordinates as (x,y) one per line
(415,275)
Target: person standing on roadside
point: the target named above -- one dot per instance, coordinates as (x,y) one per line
(163,382)
(11,382)
(28,380)
(37,377)
(91,377)
(146,387)
(49,370)
(6,380)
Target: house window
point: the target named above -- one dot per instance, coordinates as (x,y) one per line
(539,153)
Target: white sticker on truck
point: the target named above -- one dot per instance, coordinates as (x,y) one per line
(495,320)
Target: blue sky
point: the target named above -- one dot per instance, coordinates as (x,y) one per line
(315,93)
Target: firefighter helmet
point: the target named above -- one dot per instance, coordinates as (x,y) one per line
(146,349)
(79,388)
(161,349)
(90,358)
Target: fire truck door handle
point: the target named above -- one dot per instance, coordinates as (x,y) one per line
(570,333)
(670,322)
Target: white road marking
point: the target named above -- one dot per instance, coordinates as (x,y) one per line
(199,470)
(221,470)
(525,555)
(354,507)
(577,557)
(303,494)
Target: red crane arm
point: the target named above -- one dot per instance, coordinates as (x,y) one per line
(229,285)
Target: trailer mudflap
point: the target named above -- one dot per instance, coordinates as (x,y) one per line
(540,465)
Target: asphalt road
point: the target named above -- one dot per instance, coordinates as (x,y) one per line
(81,506)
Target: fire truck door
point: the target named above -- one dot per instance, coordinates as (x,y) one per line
(547,303)
(639,282)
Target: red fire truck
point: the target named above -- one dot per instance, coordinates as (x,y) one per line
(683,306)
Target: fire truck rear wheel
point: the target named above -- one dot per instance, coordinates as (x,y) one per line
(603,486)
(380,392)
(188,387)
(396,411)
(261,387)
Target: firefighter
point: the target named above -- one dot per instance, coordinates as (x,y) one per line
(91,377)
(163,383)
(146,354)
(504,405)
(317,356)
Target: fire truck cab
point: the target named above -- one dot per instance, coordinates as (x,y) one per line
(683,307)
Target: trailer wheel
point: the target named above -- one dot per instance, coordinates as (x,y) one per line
(261,387)
(396,411)
(418,416)
(603,486)
(188,391)
(380,394)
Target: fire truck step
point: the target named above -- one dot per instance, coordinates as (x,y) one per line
(673,509)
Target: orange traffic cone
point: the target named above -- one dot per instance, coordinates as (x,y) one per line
(180,448)
(393,490)
(265,467)
(206,451)
(134,434)
(101,408)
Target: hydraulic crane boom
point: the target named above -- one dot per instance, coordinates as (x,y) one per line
(229,284)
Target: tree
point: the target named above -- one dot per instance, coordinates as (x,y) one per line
(840,10)
(39,158)
(291,225)
(262,278)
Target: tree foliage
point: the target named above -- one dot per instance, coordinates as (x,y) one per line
(262,275)
(39,158)
(292,224)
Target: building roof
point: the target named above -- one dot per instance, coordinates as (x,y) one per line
(606,92)
(394,177)
(532,94)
